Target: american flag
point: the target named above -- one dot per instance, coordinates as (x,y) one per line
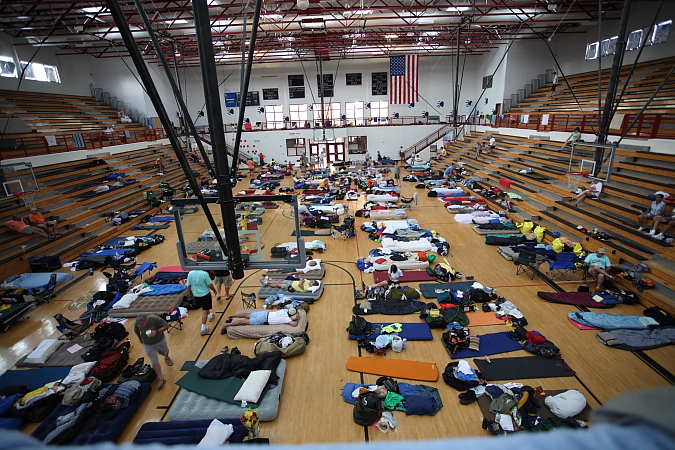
(403,78)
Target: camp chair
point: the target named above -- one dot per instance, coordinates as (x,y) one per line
(526,263)
(407,203)
(48,292)
(248,300)
(174,320)
(563,264)
(71,330)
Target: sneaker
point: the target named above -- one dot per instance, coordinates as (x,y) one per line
(651,232)
(641,228)
(659,236)
(205,331)
(212,317)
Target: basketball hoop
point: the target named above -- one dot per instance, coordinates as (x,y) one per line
(28,198)
(573,179)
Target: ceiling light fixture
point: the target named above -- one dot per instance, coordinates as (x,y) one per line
(458,9)
(302,4)
(391,36)
(363,11)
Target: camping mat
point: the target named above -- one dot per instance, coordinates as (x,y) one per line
(482,231)
(62,357)
(115,242)
(480,319)
(408,276)
(490,344)
(429,290)
(411,331)
(581,326)
(573,298)
(196,247)
(223,390)
(544,412)
(33,378)
(396,368)
(536,176)
(523,367)
(325,232)
(152,227)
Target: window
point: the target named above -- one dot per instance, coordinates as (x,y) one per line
(634,40)
(661,32)
(274,115)
(332,115)
(379,111)
(608,46)
(592,50)
(7,67)
(40,72)
(354,113)
(487,82)
(295,147)
(298,115)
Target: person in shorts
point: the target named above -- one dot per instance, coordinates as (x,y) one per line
(37,220)
(200,286)
(17,224)
(293,285)
(279,317)
(150,331)
(223,278)
(397,173)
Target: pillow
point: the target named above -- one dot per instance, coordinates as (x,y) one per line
(78,373)
(253,386)
(216,434)
(420,404)
(568,404)
(474,343)
(381,260)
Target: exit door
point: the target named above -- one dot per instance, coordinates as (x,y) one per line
(327,153)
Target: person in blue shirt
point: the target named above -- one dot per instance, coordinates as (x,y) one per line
(449,172)
(200,286)
(598,263)
(657,209)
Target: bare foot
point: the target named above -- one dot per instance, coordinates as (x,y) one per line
(169,361)
(161,384)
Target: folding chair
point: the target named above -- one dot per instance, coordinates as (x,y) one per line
(248,300)
(174,320)
(564,265)
(71,330)
(48,292)
(525,263)
(407,203)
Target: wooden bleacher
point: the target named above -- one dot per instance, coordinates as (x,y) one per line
(81,222)
(62,116)
(636,174)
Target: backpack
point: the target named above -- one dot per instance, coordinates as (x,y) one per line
(480,296)
(297,347)
(459,384)
(111,363)
(278,252)
(389,384)
(359,325)
(98,349)
(367,409)
(432,316)
(113,329)
(454,340)
(420,185)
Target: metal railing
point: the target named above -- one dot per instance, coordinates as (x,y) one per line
(59,143)
(649,126)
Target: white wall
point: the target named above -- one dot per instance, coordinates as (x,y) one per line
(476,69)
(74,71)
(570,49)
(526,60)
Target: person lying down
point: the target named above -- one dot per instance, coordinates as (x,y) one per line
(278,317)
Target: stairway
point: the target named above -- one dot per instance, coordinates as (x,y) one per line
(426,141)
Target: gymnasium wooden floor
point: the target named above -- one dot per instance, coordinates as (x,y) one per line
(312,409)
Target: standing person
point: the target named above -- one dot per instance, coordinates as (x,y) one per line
(251,167)
(401,153)
(379,156)
(479,149)
(150,331)
(367,159)
(598,263)
(574,137)
(160,166)
(397,173)
(555,82)
(657,209)
(493,143)
(262,159)
(256,159)
(36,219)
(223,278)
(200,286)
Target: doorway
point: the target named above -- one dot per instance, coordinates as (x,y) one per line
(327,153)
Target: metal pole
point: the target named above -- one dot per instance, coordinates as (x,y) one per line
(174,86)
(212,96)
(151,89)
(321,87)
(455,106)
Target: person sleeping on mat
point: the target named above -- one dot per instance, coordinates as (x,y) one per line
(293,285)
(312,264)
(279,317)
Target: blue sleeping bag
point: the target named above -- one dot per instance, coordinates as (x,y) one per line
(613,321)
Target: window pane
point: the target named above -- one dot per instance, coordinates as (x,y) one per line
(7,67)
(661,32)
(634,40)
(274,116)
(592,50)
